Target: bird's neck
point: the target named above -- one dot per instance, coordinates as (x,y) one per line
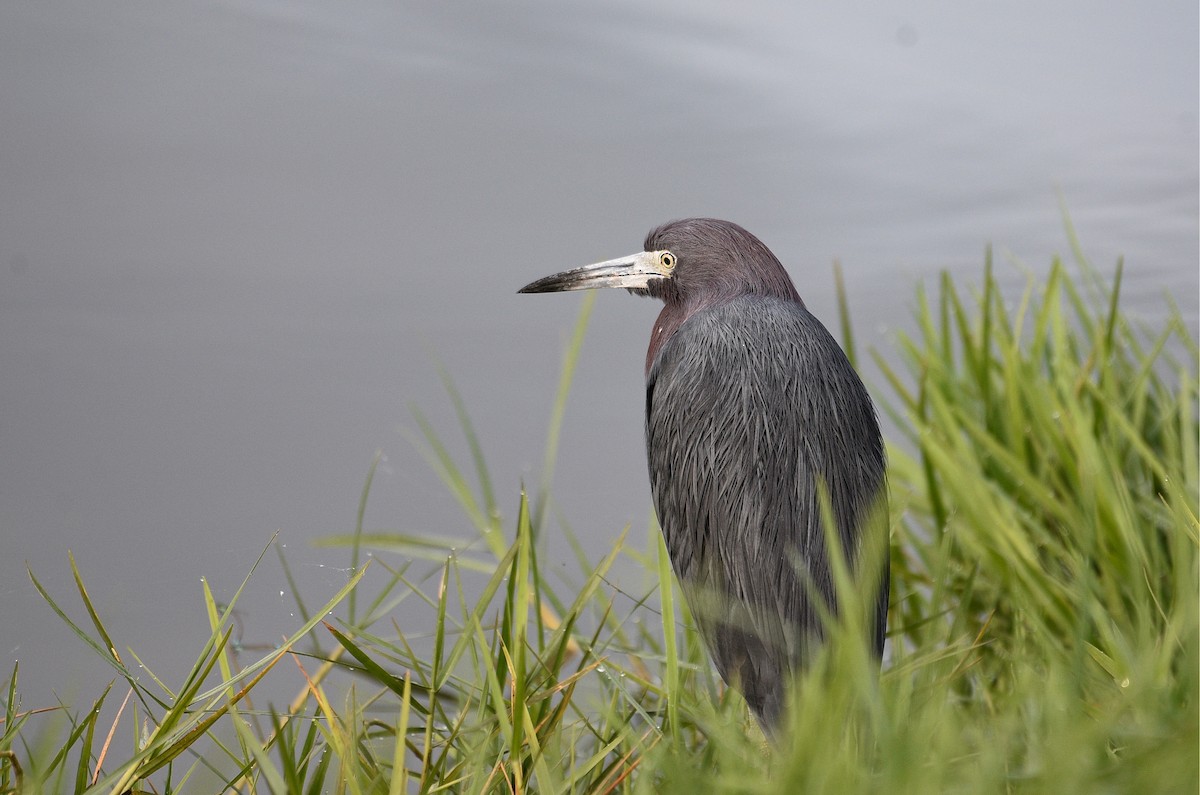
(672,316)
(668,322)
(676,311)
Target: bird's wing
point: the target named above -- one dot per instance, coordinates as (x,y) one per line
(747,406)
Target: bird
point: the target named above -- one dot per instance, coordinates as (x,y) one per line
(755,419)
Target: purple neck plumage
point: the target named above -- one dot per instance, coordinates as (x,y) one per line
(718,261)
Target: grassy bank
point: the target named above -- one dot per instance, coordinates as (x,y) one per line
(1043,634)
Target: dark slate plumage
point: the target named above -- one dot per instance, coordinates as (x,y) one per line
(746,405)
(750,403)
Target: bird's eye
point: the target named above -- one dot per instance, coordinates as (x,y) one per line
(667,259)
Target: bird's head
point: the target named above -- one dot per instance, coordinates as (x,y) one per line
(687,264)
(690,265)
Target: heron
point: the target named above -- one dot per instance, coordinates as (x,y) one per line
(757,426)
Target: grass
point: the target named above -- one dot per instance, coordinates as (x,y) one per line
(1043,634)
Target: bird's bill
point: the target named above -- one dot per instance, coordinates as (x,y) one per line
(633,272)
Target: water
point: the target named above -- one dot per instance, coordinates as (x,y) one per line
(236,237)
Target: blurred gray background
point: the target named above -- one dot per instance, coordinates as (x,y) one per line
(235,239)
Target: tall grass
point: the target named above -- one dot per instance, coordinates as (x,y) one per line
(1043,635)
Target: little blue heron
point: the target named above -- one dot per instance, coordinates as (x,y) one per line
(752,410)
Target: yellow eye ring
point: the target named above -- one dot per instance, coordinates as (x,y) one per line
(667,260)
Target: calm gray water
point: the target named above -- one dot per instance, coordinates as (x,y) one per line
(236,237)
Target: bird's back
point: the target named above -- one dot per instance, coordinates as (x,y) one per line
(749,405)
